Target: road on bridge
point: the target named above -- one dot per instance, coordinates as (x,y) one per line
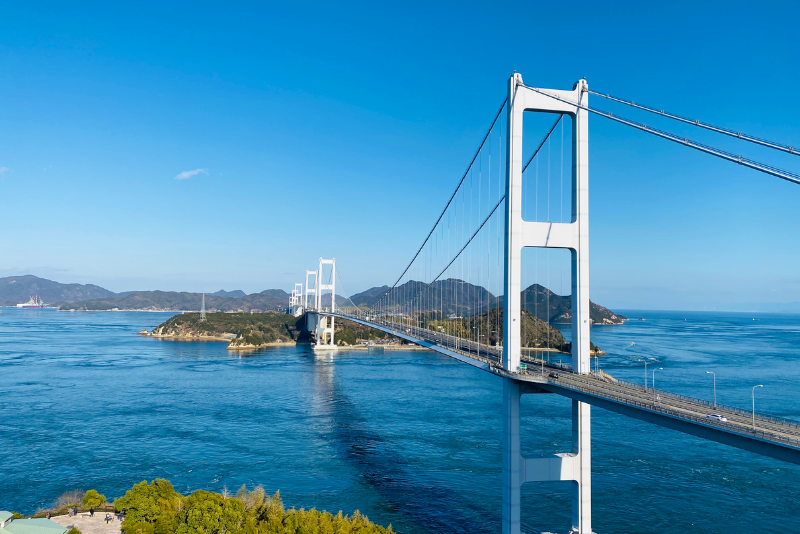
(766,435)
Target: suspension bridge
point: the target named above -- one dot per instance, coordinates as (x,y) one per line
(512,198)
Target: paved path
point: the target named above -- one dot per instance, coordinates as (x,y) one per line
(89,525)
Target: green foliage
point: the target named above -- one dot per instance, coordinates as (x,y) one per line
(350,333)
(73,530)
(155,504)
(93,499)
(17,515)
(156,508)
(138,528)
(210,513)
(248,328)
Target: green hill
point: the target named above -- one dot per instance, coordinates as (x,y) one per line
(257,329)
(455,297)
(251,328)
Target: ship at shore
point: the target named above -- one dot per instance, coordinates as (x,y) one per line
(34,302)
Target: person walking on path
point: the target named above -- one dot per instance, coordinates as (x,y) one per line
(91,512)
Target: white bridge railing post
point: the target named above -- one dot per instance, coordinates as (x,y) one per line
(574,236)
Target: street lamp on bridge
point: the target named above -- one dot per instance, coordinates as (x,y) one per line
(654,383)
(754,404)
(715,386)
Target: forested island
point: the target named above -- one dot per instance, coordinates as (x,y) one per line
(250,331)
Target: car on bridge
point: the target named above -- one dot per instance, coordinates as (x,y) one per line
(717,417)
(553,375)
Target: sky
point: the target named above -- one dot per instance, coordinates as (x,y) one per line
(199,146)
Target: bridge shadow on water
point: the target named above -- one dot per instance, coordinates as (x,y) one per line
(406,490)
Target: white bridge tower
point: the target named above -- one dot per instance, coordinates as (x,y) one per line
(575,465)
(325,327)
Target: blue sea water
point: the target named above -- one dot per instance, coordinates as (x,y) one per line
(409,438)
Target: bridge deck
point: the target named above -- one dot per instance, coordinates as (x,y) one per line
(769,436)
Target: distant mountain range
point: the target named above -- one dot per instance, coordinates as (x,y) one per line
(459,298)
(16,289)
(181,301)
(235,294)
(452,296)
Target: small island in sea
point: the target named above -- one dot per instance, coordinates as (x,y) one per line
(252,331)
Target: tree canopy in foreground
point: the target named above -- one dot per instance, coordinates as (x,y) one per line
(156,508)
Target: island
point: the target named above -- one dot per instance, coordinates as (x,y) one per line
(253,331)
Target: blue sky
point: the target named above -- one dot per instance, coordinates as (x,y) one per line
(339,129)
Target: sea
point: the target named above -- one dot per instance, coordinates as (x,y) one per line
(409,438)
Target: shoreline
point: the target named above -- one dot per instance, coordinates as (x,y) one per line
(227,338)
(251,348)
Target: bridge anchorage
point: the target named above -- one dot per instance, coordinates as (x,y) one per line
(415,310)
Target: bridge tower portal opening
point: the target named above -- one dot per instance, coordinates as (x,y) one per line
(574,466)
(309,289)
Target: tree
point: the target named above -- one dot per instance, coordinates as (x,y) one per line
(69,498)
(210,513)
(93,499)
(150,508)
(156,508)
(251,499)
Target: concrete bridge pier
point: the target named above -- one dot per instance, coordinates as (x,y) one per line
(574,466)
(322,326)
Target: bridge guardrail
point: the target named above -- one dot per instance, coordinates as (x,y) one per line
(666,396)
(456,343)
(719,406)
(767,436)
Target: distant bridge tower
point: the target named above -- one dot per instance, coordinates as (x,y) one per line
(296,302)
(308,288)
(203,309)
(325,326)
(298,291)
(575,465)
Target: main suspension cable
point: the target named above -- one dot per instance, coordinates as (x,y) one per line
(499,111)
(500,201)
(735,158)
(701,124)
(468,242)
